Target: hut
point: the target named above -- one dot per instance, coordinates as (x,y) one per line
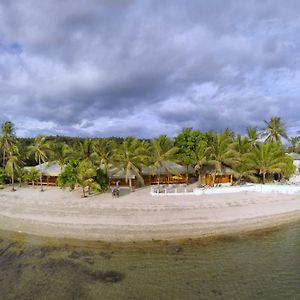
(171,173)
(209,176)
(49,171)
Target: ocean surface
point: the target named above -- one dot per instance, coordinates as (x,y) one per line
(261,265)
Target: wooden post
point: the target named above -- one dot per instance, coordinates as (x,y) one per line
(231,179)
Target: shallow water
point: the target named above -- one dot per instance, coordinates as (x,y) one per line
(263,265)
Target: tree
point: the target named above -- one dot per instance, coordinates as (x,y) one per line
(294,143)
(186,142)
(104,149)
(31,175)
(7,140)
(40,150)
(62,154)
(162,151)
(13,165)
(221,152)
(129,157)
(68,177)
(2,176)
(102,180)
(200,157)
(275,130)
(85,176)
(253,136)
(79,173)
(266,158)
(87,150)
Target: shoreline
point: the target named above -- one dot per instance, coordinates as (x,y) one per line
(139,217)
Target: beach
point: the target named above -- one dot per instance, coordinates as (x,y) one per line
(138,216)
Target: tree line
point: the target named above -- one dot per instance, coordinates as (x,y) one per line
(258,156)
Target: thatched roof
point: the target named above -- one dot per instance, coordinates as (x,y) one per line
(47,169)
(224,170)
(169,168)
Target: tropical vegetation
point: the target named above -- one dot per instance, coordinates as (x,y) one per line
(89,163)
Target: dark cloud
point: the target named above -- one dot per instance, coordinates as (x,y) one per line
(147,67)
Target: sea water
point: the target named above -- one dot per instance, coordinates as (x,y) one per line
(261,265)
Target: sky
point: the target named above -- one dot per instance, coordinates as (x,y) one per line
(145,68)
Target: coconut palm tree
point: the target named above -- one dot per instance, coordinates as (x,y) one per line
(85,176)
(105,149)
(130,157)
(7,140)
(32,176)
(87,150)
(253,136)
(62,154)
(200,157)
(13,165)
(266,158)
(294,143)
(40,150)
(221,153)
(162,152)
(275,130)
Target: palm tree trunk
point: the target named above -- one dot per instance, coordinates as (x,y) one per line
(4,155)
(130,184)
(41,177)
(214,178)
(264,178)
(13,181)
(199,179)
(83,192)
(158,179)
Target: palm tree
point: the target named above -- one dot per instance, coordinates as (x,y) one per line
(200,158)
(221,153)
(87,150)
(13,165)
(85,176)
(8,139)
(294,143)
(31,176)
(275,130)
(265,159)
(162,151)
(129,158)
(62,154)
(253,136)
(40,149)
(105,149)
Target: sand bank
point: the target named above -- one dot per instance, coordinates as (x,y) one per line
(139,216)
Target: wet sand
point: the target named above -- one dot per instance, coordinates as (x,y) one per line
(138,216)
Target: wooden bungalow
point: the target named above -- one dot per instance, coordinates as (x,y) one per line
(172,173)
(49,171)
(208,176)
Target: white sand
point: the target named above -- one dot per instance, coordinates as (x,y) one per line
(140,216)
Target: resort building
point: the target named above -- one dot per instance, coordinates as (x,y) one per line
(209,177)
(49,171)
(296,161)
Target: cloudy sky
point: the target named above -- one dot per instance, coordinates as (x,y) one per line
(143,68)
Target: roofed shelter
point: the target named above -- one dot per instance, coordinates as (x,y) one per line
(49,171)
(225,177)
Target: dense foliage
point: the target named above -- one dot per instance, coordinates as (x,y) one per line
(88,162)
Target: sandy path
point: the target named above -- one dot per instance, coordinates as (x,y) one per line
(140,216)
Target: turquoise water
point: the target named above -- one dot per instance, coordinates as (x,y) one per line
(263,265)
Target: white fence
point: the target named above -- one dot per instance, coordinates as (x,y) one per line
(260,188)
